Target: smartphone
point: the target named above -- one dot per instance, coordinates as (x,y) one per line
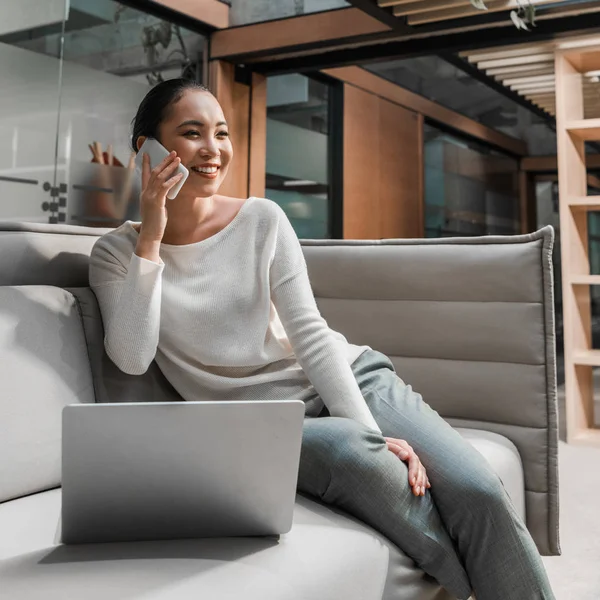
(157,152)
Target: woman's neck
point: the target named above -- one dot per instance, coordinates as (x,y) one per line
(185,216)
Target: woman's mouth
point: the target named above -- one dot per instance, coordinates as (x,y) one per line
(208,172)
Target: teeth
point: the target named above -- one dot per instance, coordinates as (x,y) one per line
(207,170)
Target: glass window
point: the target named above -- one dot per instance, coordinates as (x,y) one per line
(70,90)
(469,188)
(298,152)
(439,81)
(245,12)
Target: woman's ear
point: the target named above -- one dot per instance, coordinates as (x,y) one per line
(140,141)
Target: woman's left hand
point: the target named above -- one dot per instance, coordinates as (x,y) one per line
(417,476)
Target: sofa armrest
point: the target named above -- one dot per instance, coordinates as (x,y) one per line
(469,323)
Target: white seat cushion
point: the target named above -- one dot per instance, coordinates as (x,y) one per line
(327,555)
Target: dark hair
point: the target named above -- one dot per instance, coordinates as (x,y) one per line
(153,107)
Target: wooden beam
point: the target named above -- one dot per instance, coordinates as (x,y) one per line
(365,80)
(541,164)
(211,12)
(286,33)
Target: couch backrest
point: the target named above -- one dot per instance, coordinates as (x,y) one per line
(43,367)
(468,322)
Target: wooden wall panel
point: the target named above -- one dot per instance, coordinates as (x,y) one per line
(258,136)
(399,168)
(234,98)
(365,80)
(383,168)
(361,164)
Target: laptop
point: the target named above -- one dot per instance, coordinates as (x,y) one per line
(152,471)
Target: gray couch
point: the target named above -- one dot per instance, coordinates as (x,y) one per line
(469,322)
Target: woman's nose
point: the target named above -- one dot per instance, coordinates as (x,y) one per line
(210,148)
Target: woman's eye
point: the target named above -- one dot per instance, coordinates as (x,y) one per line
(191,133)
(224,134)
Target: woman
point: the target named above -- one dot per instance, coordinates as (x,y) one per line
(216,289)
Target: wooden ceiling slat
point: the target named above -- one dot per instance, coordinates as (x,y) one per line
(412,8)
(508,52)
(386,3)
(467,11)
(533,87)
(541,68)
(545,58)
(523,74)
(517,80)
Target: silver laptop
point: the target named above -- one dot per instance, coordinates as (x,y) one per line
(150,471)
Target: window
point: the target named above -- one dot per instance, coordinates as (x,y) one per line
(298,152)
(74,74)
(469,189)
(245,12)
(443,83)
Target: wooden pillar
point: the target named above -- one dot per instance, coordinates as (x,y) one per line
(527,202)
(258,137)
(572,132)
(383,168)
(244,103)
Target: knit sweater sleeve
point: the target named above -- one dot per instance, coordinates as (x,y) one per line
(129,296)
(317,351)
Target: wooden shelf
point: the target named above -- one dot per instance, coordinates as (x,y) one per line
(590,358)
(586,437)
(585,129)
(585,203)
(585,280)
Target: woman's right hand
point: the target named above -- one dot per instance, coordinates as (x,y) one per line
(155,185)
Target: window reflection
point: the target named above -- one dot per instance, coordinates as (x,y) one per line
(70,89)
(469,189)
(245,12)
(297,152)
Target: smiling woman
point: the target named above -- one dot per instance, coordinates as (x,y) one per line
(216,290)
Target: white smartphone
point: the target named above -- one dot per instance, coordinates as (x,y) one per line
(157,152)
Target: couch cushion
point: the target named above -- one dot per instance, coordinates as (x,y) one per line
(326,555)
(43,367)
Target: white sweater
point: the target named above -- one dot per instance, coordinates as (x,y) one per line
(231,317)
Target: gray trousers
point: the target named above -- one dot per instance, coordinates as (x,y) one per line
(464,532)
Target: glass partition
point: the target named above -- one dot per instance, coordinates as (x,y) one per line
(469,188)
(298,152)
(73,77)
(246,12)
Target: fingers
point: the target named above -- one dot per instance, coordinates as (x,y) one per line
(169,183)
(414,475)
(417,474)
(145,170)
(168,170)
(398,450)
(164,162)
